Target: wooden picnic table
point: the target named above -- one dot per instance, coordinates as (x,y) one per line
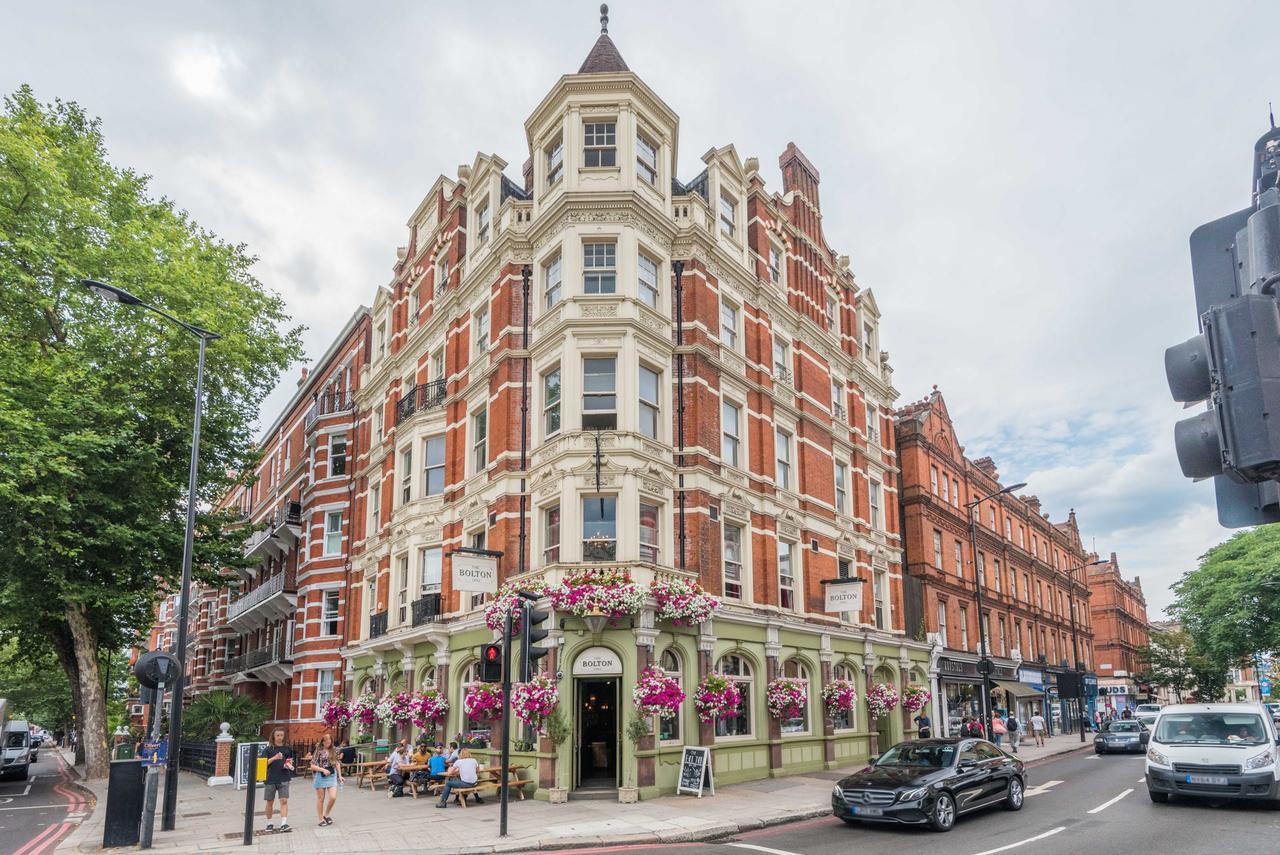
(370,770)
(490,778)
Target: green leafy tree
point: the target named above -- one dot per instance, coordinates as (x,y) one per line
(1165,662)
(204,716)
(96,403)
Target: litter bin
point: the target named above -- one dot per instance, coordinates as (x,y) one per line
(124,803)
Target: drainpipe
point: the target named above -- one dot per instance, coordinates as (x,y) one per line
(678,267)
(525,273)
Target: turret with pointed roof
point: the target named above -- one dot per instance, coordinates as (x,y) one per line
(604,57)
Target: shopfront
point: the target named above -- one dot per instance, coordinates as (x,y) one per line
(1033,679)
(960,690)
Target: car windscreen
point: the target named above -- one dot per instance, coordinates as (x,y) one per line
(1148,708)
(921,756)
(15,740)
(1211,728)
(1124,727)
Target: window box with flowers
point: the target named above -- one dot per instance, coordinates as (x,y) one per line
(603,592)
(787,697)
(682,602)
(657,694)
(716,698)
(838,697)
(507,600)
(535,700)
(882,699)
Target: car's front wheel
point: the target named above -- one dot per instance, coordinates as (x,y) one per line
(944,813)
(1013,800)
(1158,798)
(848,820)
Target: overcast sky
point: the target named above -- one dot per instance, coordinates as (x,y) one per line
(1016,182)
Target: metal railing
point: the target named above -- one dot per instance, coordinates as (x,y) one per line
(424,396)
(427,610)
(198,757)
(378,625)
(272,586)
(328,404)
(279,651)
(838,412)
(782,375)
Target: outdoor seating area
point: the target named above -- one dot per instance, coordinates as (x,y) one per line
(426,770)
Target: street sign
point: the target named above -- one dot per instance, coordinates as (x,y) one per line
(155,752)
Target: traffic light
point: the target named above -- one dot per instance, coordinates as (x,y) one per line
(1234,363)
(491,663)
(531,632)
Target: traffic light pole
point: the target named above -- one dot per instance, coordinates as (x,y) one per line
(506,722)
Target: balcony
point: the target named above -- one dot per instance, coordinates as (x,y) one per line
(330,404)
(279,531)
(378,625)
(270,664)
(425,396)
(426,610)
(838,412)
(274,599)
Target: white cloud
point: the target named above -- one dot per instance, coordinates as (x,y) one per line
(202,67)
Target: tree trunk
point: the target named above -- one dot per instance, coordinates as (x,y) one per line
(65,649)
(92,728)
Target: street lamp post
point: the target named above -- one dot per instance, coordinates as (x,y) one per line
(119,295)
(1075,647)
(984,653)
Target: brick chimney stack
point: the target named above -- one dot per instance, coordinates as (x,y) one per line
(303,379)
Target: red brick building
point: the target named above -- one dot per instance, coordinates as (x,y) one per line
(1120,628)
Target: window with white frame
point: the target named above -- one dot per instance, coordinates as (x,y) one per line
(600,393)
(480,330)
(937,549)
(649,541)
(844,719)
(377,424)
(955,492)
(842,495)
(599,528)
(382,341)
(482,223)
(649,410)
(796,670)
(868,342)
(333,533)
(831,312)
(999,577)
(555,161)
(551,535)
(942,623)
(406,475)
(669,726)
(402,590)
(959,556)
(933,480)
(728,324)
(775,264)
(964,628)
(837,397)
(786,575)
(732,561)
(324,687)
(730,428)
(552,281)
(338,454)
(430,569)
(728,215)
(479,440)
(782,448)
(648,281)
(600,144)
(329,613)
(415,303)
(433,466)
(781,359)
(477,728)
(442,272)
(600,267)
(737,670)
(646,158)
(375,509)
(551,402)
(437,364)
(880,589)
(1008,528)
(873,494)
(946,489)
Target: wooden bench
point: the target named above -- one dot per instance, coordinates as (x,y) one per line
(491,787)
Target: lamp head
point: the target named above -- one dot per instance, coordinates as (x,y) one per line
(110,292)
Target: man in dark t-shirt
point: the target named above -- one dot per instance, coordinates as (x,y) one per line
(279,774)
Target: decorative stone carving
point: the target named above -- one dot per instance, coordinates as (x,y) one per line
(600,310)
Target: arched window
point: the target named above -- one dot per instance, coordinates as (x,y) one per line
(669,726)
(366,686)
(845,719)
(796,669)
(738,670)
(427,678)
(476,728)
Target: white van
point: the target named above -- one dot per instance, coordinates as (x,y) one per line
(15,749)
(1221,751)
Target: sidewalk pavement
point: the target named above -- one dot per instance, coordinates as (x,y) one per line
(211,819)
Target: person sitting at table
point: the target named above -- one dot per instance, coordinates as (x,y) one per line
(421,754)
(436,766)
(394,778)
(464,773)
(451,756)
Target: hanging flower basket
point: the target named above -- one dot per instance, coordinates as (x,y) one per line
(606,592)
(533,701)
(915,697)
(508,600)
(430,708)
(335,713)
(716,698)
(483,700)
(684,603)
(838,696)
(881,700)
(364,710)
(397,709)
(656,693)
(786,697)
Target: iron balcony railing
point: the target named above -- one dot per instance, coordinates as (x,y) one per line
(424,396)
(272,586)
(279,651)
(782,375)
(427,609)
(378,625)
(328,404)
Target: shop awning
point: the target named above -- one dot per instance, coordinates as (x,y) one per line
(1019,690)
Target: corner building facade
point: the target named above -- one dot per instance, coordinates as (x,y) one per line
(640,285)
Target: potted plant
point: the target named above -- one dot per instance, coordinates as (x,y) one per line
(430,708)
(335,712)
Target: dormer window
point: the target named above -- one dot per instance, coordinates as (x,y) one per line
(646,159)
(728,215)
(482,224)
(555,161)
(600,144)
(868,345)
(831,312)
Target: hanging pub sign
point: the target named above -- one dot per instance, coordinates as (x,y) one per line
(474,572)
(843,595)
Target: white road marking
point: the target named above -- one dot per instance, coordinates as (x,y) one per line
(762,849)
(1009,846)
(1042,788)
(1092,757)
(1108,804)
(1142,780)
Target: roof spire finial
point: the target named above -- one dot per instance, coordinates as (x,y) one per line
(604,22)
(1272,112)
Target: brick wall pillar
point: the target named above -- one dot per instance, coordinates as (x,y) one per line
(224,745)
(706,730)
(828,726)
(547,765)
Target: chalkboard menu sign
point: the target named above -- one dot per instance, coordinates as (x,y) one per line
(695,771)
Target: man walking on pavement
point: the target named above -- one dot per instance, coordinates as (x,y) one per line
(1037,727)
(279,773)
(1014,729)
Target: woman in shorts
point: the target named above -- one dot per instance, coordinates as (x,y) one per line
(328,773)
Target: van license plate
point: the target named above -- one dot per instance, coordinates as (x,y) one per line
(868,811)
(1212,780)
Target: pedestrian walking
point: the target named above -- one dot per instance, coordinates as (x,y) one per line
(1014,729)
(1037,727)
(923,725)
(279,774)
(328,774)
(997,728)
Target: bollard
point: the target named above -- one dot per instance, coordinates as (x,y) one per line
(251,790)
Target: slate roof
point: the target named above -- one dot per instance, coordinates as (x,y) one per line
(604,58)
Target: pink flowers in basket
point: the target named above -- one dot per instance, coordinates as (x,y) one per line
(838,696)
(533,701)
(364,710)
(786,697)
(716,698)
(881,700)
(915,697)
(508,600)
(430,707)
(682,602)
(396,709)
(607,592)
(335,712)
(655,693)
(483,700)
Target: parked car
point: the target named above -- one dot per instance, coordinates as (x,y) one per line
(1146,713)
(16,755)
(931,782)
(1275,711)
(1220,751)
(1122,735)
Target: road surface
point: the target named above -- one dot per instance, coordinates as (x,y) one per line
(36,814)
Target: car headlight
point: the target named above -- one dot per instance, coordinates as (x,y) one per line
(1258,761)
(1156,757)
(838,793)
(913,795)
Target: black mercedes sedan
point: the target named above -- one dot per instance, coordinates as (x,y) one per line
(931,782)
(1122,735)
